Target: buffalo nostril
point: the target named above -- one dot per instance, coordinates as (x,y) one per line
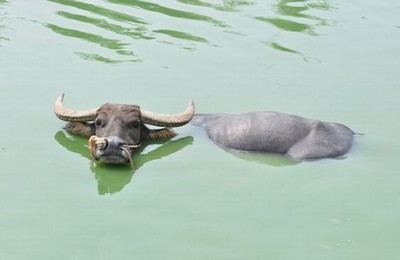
(102,144)
(114,142)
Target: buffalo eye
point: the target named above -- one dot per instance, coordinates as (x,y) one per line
(133,124)
(98,123)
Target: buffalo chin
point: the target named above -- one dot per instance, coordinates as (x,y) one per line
(113,159)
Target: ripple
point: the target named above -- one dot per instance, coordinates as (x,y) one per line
(135,29)
(123,24)
(287,25)
(279,47)
(136,22)
(293,12)
(152,7)
(114,15)
(226,6)
(296,8)
(111,44)
(2,18)
(100,58)
(291,17)
(312,60)
(181,35)
(136,33)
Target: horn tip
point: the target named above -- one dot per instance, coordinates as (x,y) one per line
(193,107)
(61,97)
(191,103)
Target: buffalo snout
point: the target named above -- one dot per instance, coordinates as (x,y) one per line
(110,150)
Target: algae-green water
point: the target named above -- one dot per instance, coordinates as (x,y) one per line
(189,199)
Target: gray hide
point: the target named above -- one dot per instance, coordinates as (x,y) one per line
(271,132)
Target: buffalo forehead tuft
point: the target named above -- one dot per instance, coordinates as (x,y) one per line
(124,111)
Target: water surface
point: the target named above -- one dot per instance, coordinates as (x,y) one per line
(189,199)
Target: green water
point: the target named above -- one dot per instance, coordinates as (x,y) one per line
(189,199)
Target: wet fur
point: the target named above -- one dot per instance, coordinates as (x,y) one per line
(83,129)
(272,132)
(89,129)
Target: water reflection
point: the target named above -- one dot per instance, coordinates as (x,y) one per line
(288,25)
(293,10)
(295,20)
(276,160)
(226,5)
(113,179)
(136,33)
(102,41)
(111,44)
(135,30)
(2,2)
(123,24)
(181,35)
(2,17)
(102,11)
(152,7)
(120,29)
(279,47)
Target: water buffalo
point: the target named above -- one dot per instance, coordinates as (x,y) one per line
(272,132)
(116,130)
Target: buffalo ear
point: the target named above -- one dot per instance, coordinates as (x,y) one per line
(81,128)
(164,133)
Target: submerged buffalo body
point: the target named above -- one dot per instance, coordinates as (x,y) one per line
(115,130)
(272,132)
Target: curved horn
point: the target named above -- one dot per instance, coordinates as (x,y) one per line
(172,120)
(71,115)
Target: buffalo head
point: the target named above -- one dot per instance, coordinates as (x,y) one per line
(115,131)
